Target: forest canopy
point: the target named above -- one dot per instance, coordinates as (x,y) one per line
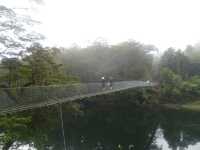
(125,61)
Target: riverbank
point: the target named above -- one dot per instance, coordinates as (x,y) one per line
(190,106)
(195,106)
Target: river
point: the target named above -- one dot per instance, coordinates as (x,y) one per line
(109,125)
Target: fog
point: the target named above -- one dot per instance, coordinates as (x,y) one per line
(158,22)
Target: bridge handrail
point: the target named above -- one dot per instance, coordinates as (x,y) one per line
(39,86)
(17,96)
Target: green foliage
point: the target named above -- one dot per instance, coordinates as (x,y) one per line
(125,61)
(169,77)
(192,86)
(170,84)
(180,74)
(193,52)
(11,67)
(38,67)
(175,61)
(44,70)
(15,129)
(174,89)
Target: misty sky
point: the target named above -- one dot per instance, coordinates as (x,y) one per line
(163,23)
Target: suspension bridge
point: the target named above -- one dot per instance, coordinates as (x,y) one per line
(25,98)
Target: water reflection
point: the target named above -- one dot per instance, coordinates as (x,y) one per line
(105,126)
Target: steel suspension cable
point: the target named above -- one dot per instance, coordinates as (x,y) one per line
(62,125)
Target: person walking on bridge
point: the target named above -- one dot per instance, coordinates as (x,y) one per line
(103,82)
(110,81)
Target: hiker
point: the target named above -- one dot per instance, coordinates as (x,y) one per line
(103,82)
(110,82)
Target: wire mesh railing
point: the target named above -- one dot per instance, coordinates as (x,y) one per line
(36,94)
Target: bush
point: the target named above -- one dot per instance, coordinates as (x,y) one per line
(174,89)
(171,85)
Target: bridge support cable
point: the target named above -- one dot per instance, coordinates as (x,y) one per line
(62,125)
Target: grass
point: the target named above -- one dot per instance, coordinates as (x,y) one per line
(195,106)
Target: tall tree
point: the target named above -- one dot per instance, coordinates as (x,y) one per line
(43,68)
(125,61)
(14,34)
(11,68)
(176,61)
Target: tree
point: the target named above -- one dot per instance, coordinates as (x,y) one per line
(193,52)
(16,128)
(14,35)
(170,84)
(175,61)
(43,68)
(11,66)
(125,61)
